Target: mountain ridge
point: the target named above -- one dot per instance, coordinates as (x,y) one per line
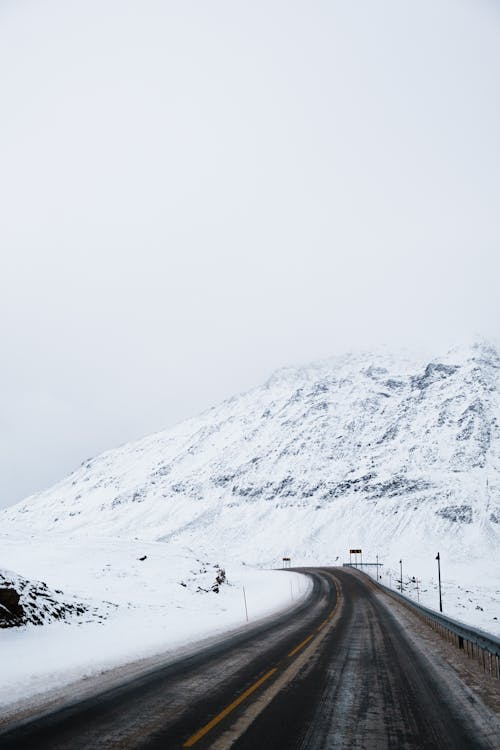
(375,448)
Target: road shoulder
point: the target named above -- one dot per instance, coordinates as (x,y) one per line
(463,675)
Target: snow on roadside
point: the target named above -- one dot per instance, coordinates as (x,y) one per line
(164,597)
(470,593)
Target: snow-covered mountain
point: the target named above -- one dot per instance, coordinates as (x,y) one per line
(385,452)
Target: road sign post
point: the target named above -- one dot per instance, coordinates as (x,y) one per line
(355,552)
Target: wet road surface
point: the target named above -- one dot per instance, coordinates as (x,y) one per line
(338,672)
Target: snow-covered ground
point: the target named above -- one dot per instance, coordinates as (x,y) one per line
(470,593)
(164,602)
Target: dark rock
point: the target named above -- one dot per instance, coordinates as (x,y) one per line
(11,612)
(456,513)
(495,515)
(219,580)
(24,602)
(434,372)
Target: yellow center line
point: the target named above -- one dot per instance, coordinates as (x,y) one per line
(211,724)
(226,711)
(301,645)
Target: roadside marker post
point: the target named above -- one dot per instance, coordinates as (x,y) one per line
(245,600)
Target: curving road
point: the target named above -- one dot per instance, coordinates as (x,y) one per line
(337,672)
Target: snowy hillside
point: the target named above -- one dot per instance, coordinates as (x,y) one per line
(365,450)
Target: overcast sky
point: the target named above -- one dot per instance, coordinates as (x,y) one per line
(193,194)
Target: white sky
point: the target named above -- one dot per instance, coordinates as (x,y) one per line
(195,193)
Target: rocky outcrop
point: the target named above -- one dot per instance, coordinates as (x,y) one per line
(24,602)
(11,612)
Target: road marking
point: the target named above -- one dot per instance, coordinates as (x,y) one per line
(255,707)
(301,645)
(229,736)
(211,724)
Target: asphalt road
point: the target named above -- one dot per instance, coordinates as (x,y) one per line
(339,672)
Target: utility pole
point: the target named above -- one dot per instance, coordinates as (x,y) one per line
(377,567)
(418,594)
(438,558)
(401,575)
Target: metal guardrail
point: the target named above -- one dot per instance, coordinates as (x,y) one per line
(477,643)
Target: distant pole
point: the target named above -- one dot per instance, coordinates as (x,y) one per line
(390,580)
(418,594)
(377,567)
(401,575)
(245,600)
(438,558)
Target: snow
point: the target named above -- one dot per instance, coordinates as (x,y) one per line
(155,613)
(397,455)
(470,594)
(414,446)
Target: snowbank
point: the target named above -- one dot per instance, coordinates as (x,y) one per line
(164,602)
